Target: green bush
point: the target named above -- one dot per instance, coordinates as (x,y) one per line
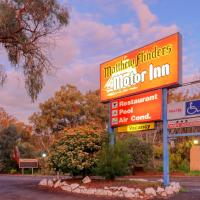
(141,152)
(75,154)
(13,171)
(113,161)
(8,138)
(194,173)
(179,157)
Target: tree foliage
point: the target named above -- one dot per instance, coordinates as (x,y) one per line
(5,119)
(14,136)
(75,152)
(23,25)
(69,108)
(141,152)
(180,156)
(8,140)
(113,161)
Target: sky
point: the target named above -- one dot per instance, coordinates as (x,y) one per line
(100,30)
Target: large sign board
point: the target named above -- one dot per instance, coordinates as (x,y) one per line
(154,66)
(183,123)
(185,109)
(145,107)
(136,127)
(28,163)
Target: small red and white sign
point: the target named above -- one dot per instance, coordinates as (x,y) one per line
(184,109)
(183,123)
(145,107)
(175,110)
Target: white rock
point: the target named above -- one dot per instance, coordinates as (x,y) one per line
(74,186)
(82,187)
(132,190)
(163,194)
(169,190)
(77,190)
(110,193)
(91,191)
(43,182)
(101,192)
(66,188)
(55,179)
(139,191)
(50,183)
(150,191)
(160,190)
(118,194)
(124,189)
(137,195)
(57,184)
(86,180)
(84,191)
(129,195)
(64,183)
(176,186)
(114,188)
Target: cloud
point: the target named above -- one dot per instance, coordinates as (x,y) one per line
(146,17)
(150,28)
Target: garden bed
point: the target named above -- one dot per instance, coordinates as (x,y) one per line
(98,183)
(132,189)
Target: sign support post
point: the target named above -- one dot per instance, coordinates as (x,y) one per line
(110,129)
(165,141)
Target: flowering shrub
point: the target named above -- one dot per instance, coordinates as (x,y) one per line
(75,153)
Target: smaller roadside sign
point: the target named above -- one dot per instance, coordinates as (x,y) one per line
(184,109)
(183,123)
(136,127)
(28,163)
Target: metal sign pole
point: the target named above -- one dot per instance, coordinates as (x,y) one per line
(165,141)
(110,129)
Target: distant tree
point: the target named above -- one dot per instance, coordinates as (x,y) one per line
(5,119)
(94,109)
(24,24)
(59,111)
(8,140)
(16,142)
(69,108)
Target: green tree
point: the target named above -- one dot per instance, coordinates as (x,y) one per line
(8,140)
(24,24)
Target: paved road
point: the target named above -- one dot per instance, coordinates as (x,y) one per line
(25,188)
